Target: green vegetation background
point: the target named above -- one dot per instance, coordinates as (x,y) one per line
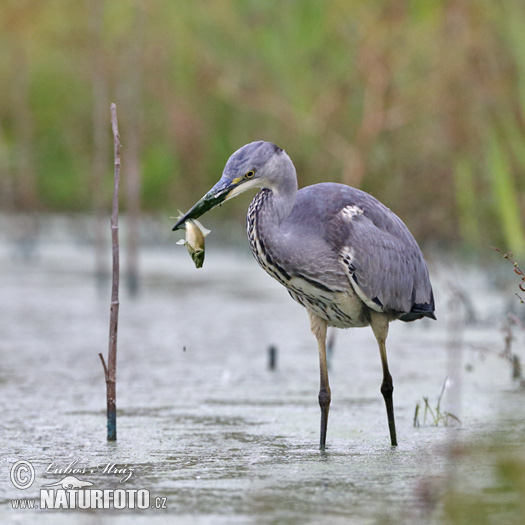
(421,103)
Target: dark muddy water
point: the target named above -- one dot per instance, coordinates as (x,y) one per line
(205,426)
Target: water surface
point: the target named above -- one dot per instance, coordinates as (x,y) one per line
(206,425)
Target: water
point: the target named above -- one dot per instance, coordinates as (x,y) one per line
(205,426)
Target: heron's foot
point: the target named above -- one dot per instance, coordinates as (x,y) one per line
(387,389)
(324,403)
(393,436)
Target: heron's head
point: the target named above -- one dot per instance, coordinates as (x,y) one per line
(258,164)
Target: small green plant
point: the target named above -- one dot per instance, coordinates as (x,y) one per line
(436,416)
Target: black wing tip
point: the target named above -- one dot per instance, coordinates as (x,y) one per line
(418,312)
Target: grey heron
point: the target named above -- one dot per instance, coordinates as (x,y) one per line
(342,254)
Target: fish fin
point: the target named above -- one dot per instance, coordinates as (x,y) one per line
(182,242)
(204,230)
(179,216)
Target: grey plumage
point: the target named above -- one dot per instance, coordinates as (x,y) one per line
(368,250)
(342,254)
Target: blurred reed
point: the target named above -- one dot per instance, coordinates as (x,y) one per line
(420,103)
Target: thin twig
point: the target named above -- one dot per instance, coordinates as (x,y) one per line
(104,365)
(111,370)
(517,270)
(516,321)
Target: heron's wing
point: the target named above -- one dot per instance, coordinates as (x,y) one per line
(381,269)
(384,262)
(381,257)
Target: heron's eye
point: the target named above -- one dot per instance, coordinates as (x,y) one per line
(249,174)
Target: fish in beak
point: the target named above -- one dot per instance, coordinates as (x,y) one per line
(194,241)
(222,191)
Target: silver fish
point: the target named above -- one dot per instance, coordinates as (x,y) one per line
(194,242)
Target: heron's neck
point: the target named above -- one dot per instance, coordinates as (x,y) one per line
(281,198)
(267,212)
(281,202)
(271,207)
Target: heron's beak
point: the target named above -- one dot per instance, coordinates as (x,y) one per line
(222,191)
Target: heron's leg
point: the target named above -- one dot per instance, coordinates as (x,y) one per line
(318,327)
(379,325)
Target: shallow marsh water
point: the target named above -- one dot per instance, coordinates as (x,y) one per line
(203,423)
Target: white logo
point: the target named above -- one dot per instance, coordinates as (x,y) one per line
(22,474)
(73,493)
(70,482)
